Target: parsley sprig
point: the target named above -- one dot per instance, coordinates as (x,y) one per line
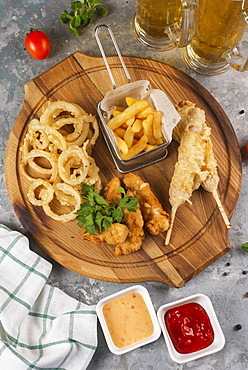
(96,214)
(81,13)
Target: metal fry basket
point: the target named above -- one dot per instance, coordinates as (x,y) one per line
(144,158)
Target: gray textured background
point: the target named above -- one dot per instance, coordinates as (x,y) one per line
(227,292)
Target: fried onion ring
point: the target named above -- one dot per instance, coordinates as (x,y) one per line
(54,109)
(55,158)
(65,217)
(44,196)
(35,153)
(73,165)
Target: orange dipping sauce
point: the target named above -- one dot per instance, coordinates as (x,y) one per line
(128,320)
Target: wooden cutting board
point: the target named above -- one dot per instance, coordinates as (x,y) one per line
(199,235)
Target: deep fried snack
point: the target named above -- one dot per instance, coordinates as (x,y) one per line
(57,109)
(128,235)
(156,219)
(196,164)
(55,158)
(65,217)
(137,128)
(50,173)
(116,234)
(73,165)
(111,194)
(45,195)
(134,222)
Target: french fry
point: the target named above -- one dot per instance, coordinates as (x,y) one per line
(128,137)
(157,122)
(122,145)
(129,112)
(137,125)
(136,148)
(144,113)
(130,101)
(119,108)
(130,121)
(150,147)
(159,141)
(137,128)
(120,132)
(124,125)
(139,134)
(148,129)
(116,113)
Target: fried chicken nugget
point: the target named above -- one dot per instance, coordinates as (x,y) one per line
(135,223)
(111,194)
(132,220)
(118,232)
(156,219)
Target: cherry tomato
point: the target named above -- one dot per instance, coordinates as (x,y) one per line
(37,44)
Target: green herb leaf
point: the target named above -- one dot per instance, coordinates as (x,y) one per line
(65,17)
(245,247)
(82,13)
(117,214)
(95,214)
(76,5)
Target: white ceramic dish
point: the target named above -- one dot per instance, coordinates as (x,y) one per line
(219,339)
(156,332)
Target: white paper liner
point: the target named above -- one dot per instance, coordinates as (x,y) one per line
(140,91)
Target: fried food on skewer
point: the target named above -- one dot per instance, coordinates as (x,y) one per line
(210,184)
(156,219)
(187,173)
(196,163)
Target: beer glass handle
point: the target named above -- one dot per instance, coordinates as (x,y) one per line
(181,32)
(235,56)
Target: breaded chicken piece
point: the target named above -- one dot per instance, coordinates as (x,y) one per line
(126,236)
(118,232)
(110,192)
(135,223)
(156,219)
(132,220)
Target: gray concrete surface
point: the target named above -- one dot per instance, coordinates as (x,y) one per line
(227,291)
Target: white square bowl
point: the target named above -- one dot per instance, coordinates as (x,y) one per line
(156,332)
(219,339)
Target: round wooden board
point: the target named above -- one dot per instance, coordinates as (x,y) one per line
(199,235)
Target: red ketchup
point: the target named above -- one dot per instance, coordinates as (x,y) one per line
(189,327)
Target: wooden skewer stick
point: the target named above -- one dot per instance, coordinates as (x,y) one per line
(222,211)
(168,235)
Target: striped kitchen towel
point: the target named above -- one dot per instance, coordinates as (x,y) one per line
(41,327)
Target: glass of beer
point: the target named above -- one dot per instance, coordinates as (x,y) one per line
(216,43)
(155,19)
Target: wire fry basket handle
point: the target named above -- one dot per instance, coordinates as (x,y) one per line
(104,56)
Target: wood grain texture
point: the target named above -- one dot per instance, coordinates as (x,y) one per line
(199,235)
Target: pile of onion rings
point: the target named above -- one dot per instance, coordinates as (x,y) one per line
(56,159)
